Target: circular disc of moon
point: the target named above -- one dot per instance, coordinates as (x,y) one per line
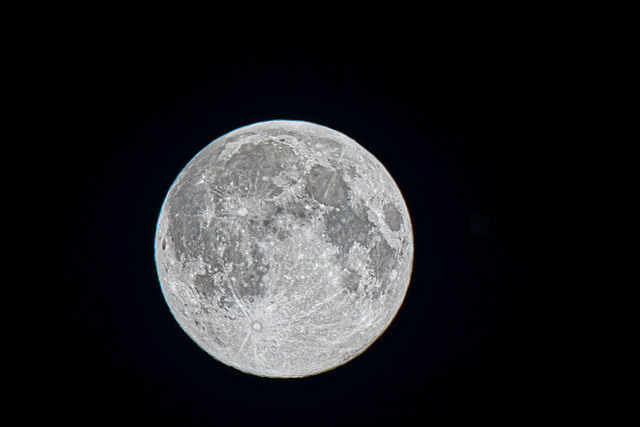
(284,249)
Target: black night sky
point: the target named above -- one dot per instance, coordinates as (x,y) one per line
(483,125)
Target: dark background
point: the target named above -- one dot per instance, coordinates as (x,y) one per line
(514,118)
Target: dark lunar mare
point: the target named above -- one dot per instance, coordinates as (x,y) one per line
(347,225)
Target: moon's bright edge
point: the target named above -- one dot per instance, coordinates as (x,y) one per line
(284,249)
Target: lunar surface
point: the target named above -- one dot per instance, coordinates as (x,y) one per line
(284,249)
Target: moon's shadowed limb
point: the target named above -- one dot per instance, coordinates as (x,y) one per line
(284,249)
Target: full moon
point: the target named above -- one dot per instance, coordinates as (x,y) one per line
(284,249)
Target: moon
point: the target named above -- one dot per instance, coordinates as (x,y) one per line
(284,249)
